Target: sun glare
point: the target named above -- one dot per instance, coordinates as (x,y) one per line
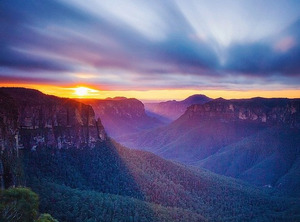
(81,91)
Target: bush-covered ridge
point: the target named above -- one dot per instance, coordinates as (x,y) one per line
(110,169)
(84,205)
(21,205)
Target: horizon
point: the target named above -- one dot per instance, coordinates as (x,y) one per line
(87,96)
(152,51)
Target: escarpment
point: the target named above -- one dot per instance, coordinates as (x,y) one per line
(39,119)
(259,110)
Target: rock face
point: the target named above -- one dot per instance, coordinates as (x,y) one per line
(204,129)
(8,129)
(171,110)
(8,120)
(121,116)
(30,119)
(52,121)
(269,111)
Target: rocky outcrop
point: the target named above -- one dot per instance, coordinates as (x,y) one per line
(205,129)
(121,116)
(118,107)
(8,120)
(30,120)
(260,110)
(8,130)
(52,121)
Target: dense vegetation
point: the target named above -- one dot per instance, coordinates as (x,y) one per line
(112,183)
(77,205)
(256,140)
(21,205)
(270,157)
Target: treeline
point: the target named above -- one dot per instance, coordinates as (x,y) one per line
(77,205)
(111,179)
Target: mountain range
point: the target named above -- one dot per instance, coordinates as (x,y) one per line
(59,149)
(256,140)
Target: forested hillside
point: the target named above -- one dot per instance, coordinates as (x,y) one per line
(268,158)
(257,140)
(110,181)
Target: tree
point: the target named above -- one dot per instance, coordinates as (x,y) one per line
(21,205)
(18,204)
(46,218)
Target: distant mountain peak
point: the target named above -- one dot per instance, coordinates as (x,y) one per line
(172,109)
(117,98)
(196,96)
(220,99)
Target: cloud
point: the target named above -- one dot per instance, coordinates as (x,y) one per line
(24,61)
(179,43)
(285,44)
(278,56)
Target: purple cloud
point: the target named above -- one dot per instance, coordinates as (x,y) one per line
(183,44)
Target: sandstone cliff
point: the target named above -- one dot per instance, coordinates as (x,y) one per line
(40,119)
(31,120)
(260,110)
(121,116)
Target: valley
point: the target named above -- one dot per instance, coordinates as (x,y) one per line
(70,162)
(256,140)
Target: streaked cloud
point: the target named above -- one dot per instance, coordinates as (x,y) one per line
(141,44)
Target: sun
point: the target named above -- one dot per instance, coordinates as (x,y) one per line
(84,92)
(81,91)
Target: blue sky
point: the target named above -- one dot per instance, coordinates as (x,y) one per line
(141,44)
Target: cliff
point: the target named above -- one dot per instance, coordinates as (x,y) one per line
(205,129)
(259,110)
(30,120)
(121,116)
(40,119)
(8,120)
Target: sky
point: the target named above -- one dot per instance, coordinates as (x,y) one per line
(152,50)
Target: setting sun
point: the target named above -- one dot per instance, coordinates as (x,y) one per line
(84,92)
(81,91)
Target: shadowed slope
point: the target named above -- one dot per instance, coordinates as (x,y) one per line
(112,169)
(269,157)
(256,140)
